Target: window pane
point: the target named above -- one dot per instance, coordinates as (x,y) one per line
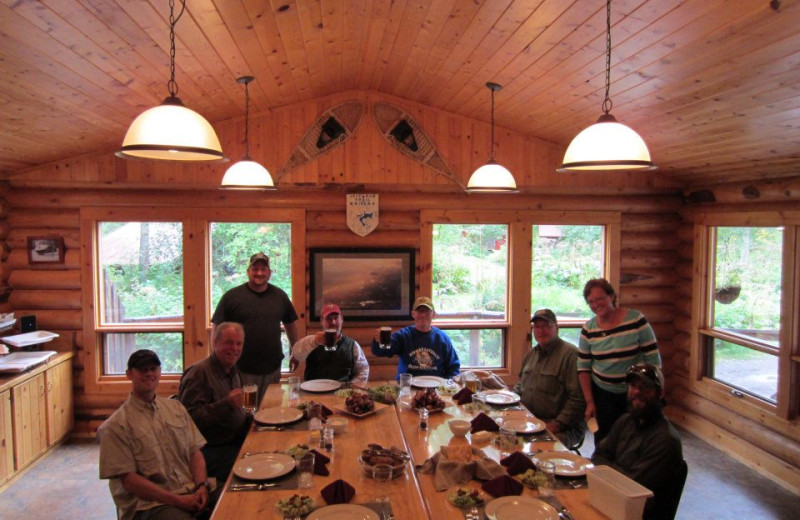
(747,291)
(745,368)
(564,259)
(470,271)
(232,245)
(141,272)
(478,347)
(117,348)
(570,335)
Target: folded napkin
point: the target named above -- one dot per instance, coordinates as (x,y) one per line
(503,486)
(338,492)
(463,396)
(320,460)
(484,422)
(517,463)
(448,473)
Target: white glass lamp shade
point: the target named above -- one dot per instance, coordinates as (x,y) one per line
(247,175)
(171,132)
(491,178)
(607,145)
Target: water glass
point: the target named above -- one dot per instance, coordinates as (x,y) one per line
(382,474)
(305,470)
(294,388)
(546,478)
(250,403)
(506,439)
(405,384)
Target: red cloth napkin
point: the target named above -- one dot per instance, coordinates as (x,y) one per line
(319,463)
(338,492)
(502,486)
(463,396)
(484,422)
(517,463)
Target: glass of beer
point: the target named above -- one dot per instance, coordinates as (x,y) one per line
(472,382)
(330,340)
(386,338)
(250,398)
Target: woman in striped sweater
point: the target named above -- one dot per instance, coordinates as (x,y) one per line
(612,341)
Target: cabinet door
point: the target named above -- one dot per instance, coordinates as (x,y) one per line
(30,420)
(59,402)
(6,437)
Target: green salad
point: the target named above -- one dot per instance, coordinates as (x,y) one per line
(448,390)
(465,497)
(386,394)
(528,478)
(344,392)
(295,505)
(297,450)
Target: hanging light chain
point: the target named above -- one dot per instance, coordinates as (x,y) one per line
(607,101)
(246,121)
(491,142)
(172,85)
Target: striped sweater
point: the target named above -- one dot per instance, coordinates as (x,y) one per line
(607,353)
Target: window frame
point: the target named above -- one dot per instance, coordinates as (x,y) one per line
(516,327)
(196,327)
(788,352)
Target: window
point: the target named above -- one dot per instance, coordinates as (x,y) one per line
(470,284)
(158,274)
(563,259)
(743,322)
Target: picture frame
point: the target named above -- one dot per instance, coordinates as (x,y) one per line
(45,250)
(367,284)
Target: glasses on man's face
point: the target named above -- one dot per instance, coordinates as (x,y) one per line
(649,371)
(541,326)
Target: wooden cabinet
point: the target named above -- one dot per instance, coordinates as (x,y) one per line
(36,412)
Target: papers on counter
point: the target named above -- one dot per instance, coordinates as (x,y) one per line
(22,361)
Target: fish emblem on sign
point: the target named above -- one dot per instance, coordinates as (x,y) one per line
(362,213)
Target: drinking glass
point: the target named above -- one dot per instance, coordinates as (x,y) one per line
(382,474)
(405,384)
(506,439)
(294,388)
(250,403)
(472,382)
(546,478)
(305,470)
(330,340)
(386,338)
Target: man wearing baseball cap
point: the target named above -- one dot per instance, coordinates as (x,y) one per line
(150,451)
(644,445)
(261,308)
(548,381)
(346,362)
(423,349)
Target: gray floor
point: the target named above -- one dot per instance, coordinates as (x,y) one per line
(65,486)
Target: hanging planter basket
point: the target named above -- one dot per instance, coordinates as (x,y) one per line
(727,294)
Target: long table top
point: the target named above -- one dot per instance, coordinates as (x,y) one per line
(412,495)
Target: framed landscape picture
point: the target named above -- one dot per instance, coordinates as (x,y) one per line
(45,250)
(368,284)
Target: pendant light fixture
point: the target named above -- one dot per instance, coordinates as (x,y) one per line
(247,174)
(607,144)
(170,131)
(491,177)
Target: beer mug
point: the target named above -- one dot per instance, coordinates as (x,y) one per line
(330,340)
(250,403)
(385,338)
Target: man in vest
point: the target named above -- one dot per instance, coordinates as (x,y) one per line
(342,361)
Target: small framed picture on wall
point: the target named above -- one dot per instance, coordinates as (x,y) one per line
(45,250)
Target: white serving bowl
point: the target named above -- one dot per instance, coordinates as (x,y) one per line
(459,427)
(339,424)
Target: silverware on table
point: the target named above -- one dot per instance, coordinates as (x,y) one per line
(270,428)
(253,486)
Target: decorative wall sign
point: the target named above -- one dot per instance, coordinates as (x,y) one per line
(362,213)
(45,250)
(402,132)
(368,284)
(332,128)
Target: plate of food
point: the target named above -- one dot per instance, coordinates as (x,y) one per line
(263,466)
(525,426)
(343,512)
(499,397)
(427,381)
(295,506)
(516,507)
(465,498)
(360,404)
(429,400)
(386,394)
(567,463)
(377,454)
(278,415)
(320,386)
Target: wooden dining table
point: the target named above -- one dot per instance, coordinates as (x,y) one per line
(412,495)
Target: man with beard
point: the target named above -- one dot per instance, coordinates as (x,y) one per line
(643,444)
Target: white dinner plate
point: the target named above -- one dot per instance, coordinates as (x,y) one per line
(514,508)
(567,463)
(320,385)
(278,415)
(428,382)
(30,338)
(343,512)
(500,397)
(525,426)
(262,466)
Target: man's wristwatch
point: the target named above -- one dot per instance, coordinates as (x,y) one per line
(205,484)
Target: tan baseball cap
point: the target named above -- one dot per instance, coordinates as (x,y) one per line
(423,301)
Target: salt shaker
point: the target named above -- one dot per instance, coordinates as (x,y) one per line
(423,418)
(326,440)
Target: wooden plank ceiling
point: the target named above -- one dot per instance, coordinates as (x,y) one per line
(712,85)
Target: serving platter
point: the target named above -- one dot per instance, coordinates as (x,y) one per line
(378,408)
(567,463)
(514,508)
(428,381)
(278,415)
(263,466)
(320,386)
(343,512)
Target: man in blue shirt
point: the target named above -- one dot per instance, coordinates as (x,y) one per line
(424,350)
